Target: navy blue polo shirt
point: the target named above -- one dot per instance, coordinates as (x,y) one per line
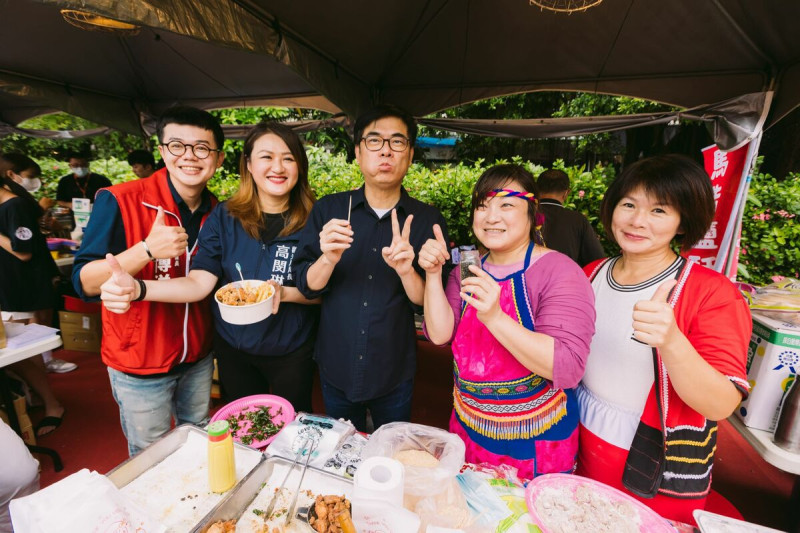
(105,232)
(366,342)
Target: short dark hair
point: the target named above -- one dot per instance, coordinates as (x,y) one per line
(553,180)
(382,111)
(17,163)
(673,180)
(78,154)
(141,157)
(495,178)
(190,116)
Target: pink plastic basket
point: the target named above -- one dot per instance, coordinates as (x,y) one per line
(280,409)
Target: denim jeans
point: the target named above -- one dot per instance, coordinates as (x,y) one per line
(392,407)
(147,405)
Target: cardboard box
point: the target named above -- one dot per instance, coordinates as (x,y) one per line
(773,360)
(81,331)
(26,430)
(25,425)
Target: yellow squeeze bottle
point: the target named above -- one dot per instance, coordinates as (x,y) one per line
(221,466)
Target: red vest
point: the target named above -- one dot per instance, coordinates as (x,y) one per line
(672,452)
(153,337)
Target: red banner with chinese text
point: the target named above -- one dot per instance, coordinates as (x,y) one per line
(726,170)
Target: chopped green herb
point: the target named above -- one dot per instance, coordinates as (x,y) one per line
(261,427)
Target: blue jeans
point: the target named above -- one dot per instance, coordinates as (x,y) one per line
(392,407)
(147,405)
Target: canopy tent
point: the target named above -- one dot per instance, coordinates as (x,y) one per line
(424,55)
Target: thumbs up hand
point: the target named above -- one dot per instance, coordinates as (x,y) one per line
(166,241)
(653,319)
(119,290)
(434,253)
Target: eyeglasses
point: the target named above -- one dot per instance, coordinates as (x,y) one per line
(200,151)
(397,143)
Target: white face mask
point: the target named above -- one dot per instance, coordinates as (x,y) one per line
(81,172)
(31,184)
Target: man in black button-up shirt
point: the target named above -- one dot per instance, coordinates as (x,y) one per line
(362,261)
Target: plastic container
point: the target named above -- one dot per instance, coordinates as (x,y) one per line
(221,464)
(281,410)
(467,258)
(245,314)
(578,492)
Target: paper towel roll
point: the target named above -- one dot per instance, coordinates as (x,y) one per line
(379,478)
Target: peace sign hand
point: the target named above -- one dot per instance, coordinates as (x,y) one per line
(483,293)
(400,254)
(434,253)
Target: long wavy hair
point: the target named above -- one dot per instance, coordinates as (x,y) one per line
(245,206)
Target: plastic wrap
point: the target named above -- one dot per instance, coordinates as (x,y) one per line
(779,300)
(448,449)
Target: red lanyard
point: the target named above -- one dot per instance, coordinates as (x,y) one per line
(82,189)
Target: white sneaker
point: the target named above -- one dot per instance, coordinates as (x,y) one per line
(59,366)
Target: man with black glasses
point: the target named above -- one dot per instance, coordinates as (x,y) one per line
(358,251)
(157,353)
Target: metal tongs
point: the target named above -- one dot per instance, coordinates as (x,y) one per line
(300,452)
(290,510)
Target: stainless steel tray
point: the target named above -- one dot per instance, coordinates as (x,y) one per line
(155,453)
(249,488)
(158,451)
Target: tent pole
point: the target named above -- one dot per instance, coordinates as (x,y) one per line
(733,232)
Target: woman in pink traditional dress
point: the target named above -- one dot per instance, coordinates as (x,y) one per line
(520,331)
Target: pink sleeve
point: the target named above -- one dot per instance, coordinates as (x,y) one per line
(452,291)
(563,308)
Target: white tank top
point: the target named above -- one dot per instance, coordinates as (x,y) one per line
(619,371)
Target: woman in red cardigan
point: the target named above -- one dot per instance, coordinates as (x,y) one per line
(669,353)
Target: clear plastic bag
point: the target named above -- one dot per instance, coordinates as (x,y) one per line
(779,300)
(448,509)
(320,433)
(448,449)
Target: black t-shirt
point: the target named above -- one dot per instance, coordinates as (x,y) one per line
(24,285)
(273,225)
(70,187)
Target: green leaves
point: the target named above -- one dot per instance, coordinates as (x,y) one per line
(771,229)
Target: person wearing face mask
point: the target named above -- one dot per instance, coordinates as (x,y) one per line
(80,183)
(27,271)
(24,170)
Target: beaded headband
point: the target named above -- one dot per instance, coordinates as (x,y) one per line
(510,192)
